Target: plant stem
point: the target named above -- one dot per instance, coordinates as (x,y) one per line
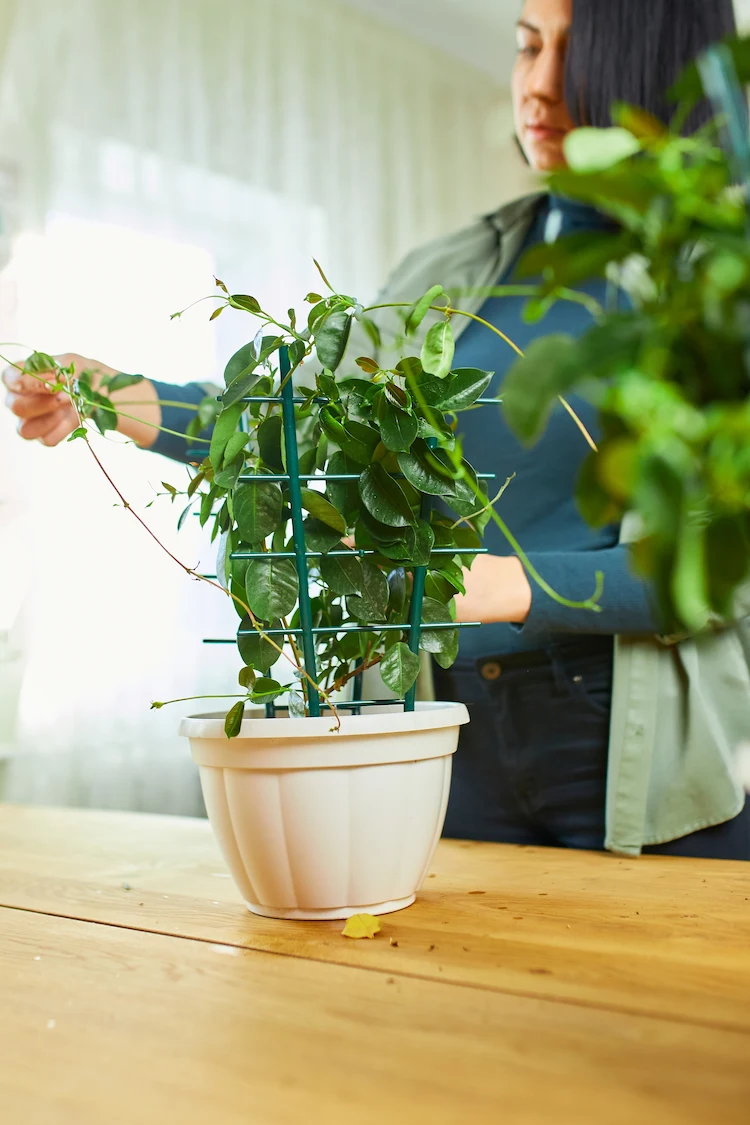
(342,681)
(158,704)
(590,303)
(448,311)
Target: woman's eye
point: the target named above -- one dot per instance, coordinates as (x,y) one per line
(528,51)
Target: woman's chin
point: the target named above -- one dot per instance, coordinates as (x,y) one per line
(546,156)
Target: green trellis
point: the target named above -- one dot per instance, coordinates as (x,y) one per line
(300,555)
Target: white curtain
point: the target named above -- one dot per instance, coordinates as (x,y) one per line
(145,146)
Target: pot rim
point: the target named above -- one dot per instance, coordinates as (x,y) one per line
(390,719)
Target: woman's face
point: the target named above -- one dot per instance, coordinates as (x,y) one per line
(541,115)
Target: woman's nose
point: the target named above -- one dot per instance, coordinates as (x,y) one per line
(547,77)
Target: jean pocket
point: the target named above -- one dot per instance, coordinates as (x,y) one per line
(589,683)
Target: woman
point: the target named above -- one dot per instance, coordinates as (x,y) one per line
(547,758)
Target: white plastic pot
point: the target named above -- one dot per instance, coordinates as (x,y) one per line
(318,824)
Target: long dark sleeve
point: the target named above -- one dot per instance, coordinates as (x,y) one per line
(627,604)
(177,419)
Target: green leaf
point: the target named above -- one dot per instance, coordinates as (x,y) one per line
(269,442)
(332,337)
(235,445)
(361,388)
(462,388)
(255,651)
(368,365)
(384,498)
(372,604)
(397,588)
(121,380)
(79,432)
(438,587)
(223,561)
(419,543)
(727,272)
(452,573)
(319,536)
(422,467)
(449,655)
(246,677)
(379,533)
(257,510)
(233,721)
(438,350)
(240,388)
(241,363)
(207,503)
(422,307)
(357,441)
(397,428)
(208,411)
(594,150)
(196,482)
(240,374)
(105,419)
(317,505)
(321,452)
(229,476)
(439,640)
(272,587)
(533,383)
(226,425)
(342,574)
(39,363)
(400,668)
(464,500)
(245,303)
(343,494)
(265,691)
(575,258)
(689,575)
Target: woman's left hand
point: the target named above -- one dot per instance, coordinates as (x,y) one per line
(497,589)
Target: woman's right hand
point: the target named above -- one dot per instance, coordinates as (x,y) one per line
(45,416)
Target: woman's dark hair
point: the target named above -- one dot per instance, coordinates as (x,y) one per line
(633,51)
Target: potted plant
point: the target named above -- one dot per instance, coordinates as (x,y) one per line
(345,513)
(330,546)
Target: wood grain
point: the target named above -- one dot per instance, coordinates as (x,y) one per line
(105,1026)
(663,936)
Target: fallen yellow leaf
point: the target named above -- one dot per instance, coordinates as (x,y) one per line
(361,926)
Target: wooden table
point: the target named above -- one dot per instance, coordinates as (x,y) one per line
(527,985)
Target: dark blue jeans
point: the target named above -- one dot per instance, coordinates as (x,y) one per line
(531,766)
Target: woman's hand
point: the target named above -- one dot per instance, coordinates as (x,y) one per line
(497,589)
(46,416)
(51,417)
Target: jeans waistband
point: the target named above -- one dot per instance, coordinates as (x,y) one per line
(573,649)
